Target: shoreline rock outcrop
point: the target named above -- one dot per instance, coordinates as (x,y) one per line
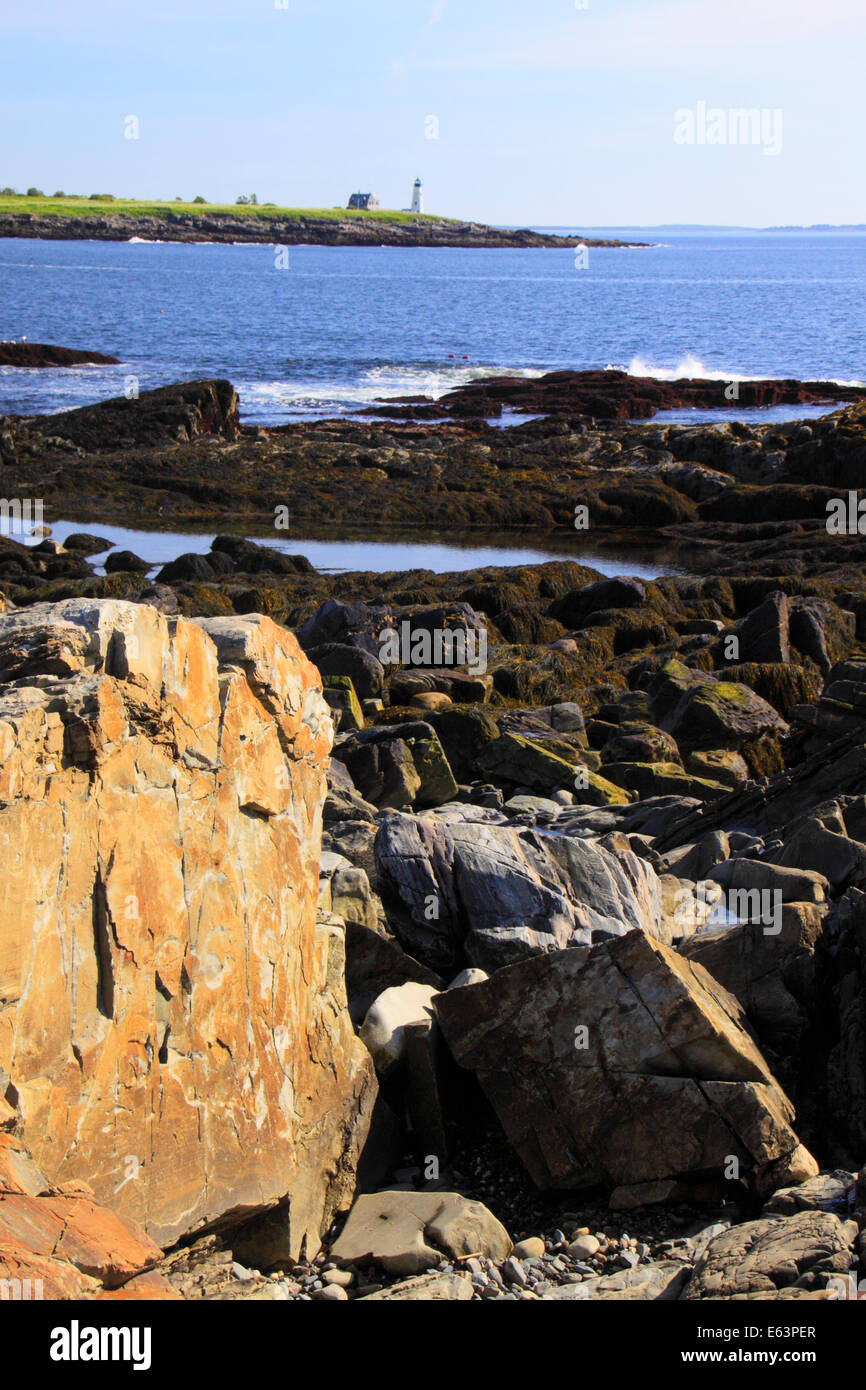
(173,1024)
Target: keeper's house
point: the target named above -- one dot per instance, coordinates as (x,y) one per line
(363,202)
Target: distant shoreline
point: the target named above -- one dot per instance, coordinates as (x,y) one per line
(51,219)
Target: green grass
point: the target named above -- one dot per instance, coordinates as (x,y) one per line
(86,207)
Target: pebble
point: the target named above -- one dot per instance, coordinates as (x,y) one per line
(584,1247)
(528,1249)
(514,1272)
(343,1278)
(331,1293)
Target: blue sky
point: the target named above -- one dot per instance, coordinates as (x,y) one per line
(547,113)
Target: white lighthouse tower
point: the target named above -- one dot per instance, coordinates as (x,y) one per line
(417,197)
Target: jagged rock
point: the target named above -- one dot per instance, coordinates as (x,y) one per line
(820,630)
(763,633)
(695,861)
(490,894)
(346,624)
(57,1243)
(374,964)
(398,767)
(718,714)
(811,845)
(761,877)
(772,976)
(340,696)
(186,411)
(825,1192)
(409,1232)
(175,1029)
(345,890)
(619,1064)
(365,671)
(464,733)
(770,1257)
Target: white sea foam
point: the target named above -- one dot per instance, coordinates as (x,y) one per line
(692,368)
(377,384)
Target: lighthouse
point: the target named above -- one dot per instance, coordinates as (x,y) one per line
(417,197)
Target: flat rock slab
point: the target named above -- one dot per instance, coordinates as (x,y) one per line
(409,1232)
(661,1283)
(619,1064)
(427,1288)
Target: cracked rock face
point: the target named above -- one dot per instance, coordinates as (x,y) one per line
(172,1022)
(770,1259)
(499,894)
(619,1064)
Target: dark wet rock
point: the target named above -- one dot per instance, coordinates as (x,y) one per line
(124,561)
(340,659)
(573,609)
(763,634)
(351,624)
(84,544)
(48,355)
(398,767)
(192,567)
(375,963)
(159,596)
(187,411)
(773,977)
(251,558)
(616,395)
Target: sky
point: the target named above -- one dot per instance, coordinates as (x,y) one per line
(559,112)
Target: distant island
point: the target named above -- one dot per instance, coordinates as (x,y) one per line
(102,217)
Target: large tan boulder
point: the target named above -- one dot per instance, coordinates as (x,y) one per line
(409,1232)
(172,1023)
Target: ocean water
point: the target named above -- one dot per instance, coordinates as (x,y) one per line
(344,327)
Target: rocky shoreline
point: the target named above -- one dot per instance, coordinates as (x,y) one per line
(270,230)
(495,935)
